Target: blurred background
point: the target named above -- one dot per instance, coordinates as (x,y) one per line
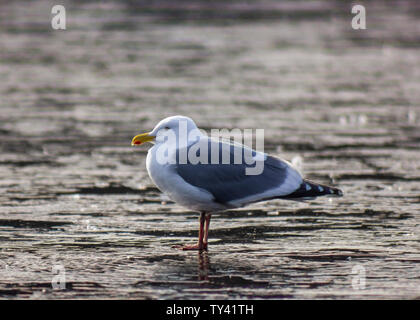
(342,104)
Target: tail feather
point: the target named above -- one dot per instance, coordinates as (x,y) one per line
(309,189)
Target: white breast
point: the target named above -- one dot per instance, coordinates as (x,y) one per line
(168,181)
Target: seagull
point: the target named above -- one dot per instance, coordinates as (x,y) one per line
(201,173)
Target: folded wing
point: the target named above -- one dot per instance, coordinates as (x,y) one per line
(229,183)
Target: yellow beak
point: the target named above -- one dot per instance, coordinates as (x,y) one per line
(142,138)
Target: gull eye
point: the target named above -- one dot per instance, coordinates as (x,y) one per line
(166,128)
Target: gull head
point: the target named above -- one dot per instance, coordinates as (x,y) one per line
(175,126)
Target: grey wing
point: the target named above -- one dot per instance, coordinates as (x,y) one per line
(230,183)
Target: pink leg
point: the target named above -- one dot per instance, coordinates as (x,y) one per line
(206,232)
(201,233)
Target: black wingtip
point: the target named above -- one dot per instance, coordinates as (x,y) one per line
(309,189)
(335,192)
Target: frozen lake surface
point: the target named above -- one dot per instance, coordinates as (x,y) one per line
(343,104)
